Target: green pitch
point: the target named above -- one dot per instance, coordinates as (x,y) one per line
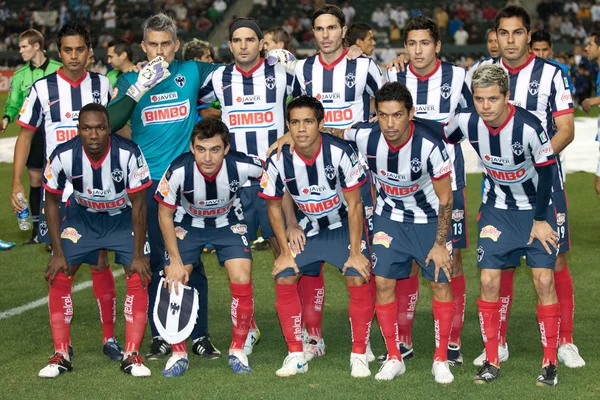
(27,343)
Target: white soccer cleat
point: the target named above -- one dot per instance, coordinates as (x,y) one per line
(441,372)
(370,355)
(313,348)
(57,364)
(568,354)
(252,339)
(134,365)
(293,364)
(502,355)
(359,366)
(390,369)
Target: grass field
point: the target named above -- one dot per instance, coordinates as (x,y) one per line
(27,342)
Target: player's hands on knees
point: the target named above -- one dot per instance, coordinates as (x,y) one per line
(360,263)
(279,143)
(16,205)
(283,262)
(296,238)
(57,264)
(441,259)
(141,266)
(399,62)
(174,275)
(542,231)
(354,52)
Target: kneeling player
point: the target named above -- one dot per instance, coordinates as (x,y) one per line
(515,217)
(204,183)
(107,211)
(323,176)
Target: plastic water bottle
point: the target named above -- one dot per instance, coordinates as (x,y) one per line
(24,217)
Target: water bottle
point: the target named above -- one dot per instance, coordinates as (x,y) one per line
(24,217)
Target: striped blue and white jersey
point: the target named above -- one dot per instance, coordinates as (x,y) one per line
(207,201)
(316,185)
(101,186)
(437,97)
(404,174)
(509,154)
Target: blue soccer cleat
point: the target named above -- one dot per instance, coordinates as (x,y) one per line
(239,363)
(176,366)
(112,350)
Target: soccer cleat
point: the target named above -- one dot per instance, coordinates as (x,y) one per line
(502,355)
(441,372)
(486,373)
(314,349)
(305,337)
(239,363)
(568,354)
(406,351)
(134,365)
(112,350)
(252,339)
(204,348)
(549,376)
(6,245)
(370,355)
(57,364)
(176,366)
(294,363)
(359,366)
(390,369)
(158,349)
(455,358)
(32,240)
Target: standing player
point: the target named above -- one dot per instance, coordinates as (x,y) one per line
(109,176)
(322,176)
(55,101)
(541,45)
(199,50)
(515,217)
(37,65)
(120,57)
(543,89)
(438,90)
(276,38)
(361,35)
(204,184)
(592,50)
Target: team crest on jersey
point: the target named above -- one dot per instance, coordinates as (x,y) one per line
(234,186)
(330,172)
(350,80)
(97,97)
(270,81)
(180,233)
(534,87)
(480,253)
(517,148)
(71,234)
(117,175)
(43,228)
(368,212)
(560,219)
(445,91)
(374,259)
(180,80)
(458,215)
(239,229)
(415,165)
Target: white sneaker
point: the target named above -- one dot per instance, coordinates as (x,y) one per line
(313,348)
(390,369)
(441,372)
(568,354)
(370,355)
(359,366)
(502,355)
(252,338)
(293,364)
(57,364)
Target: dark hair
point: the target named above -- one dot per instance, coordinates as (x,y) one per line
(596,35)
(208,128)
(541,36)
(74,28)
(196,48)
(421,22)
(280,35)
(332,10)
(122,46)
(394,91)
(358,31)
(306,102)
(510,12)
(94,107)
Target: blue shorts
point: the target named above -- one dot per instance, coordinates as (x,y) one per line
(255,212)
(503,237)
(367,193)
(460,237)
(229,242)
(560,201)
(332,246)
(396,244)
(43,235)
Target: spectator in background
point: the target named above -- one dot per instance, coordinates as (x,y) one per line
(461,36)
(454,24)
(395,34)
(567,28)
(488,13)
(220,6)
(572,6)
(584,14)
(203,24)
(595,11)
(110,17)
(402,17)
(349,12)
(441,17)
(579,33)
(104,39)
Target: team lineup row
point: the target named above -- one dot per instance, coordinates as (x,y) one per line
(515,110)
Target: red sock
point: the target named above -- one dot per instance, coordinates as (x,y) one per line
(103,284)
(242,308)
(489,318)
(289,311)
(443,312)
(407,294)
(507,281)
(179,347)
(60,306)
(549,321)
(136,309)
(459,292)
(387,316)
(360,312)
(564,291)
(313,299)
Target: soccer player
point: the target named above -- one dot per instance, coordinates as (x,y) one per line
(361,35)
(55,101)
(592,50)
(541,46)
(204,184)
(109,176)
(492,43)
(276,38)
(515,217)
(37,65)
(199,50)
(438,90)
(322,176)
(120,57)
(543,89)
